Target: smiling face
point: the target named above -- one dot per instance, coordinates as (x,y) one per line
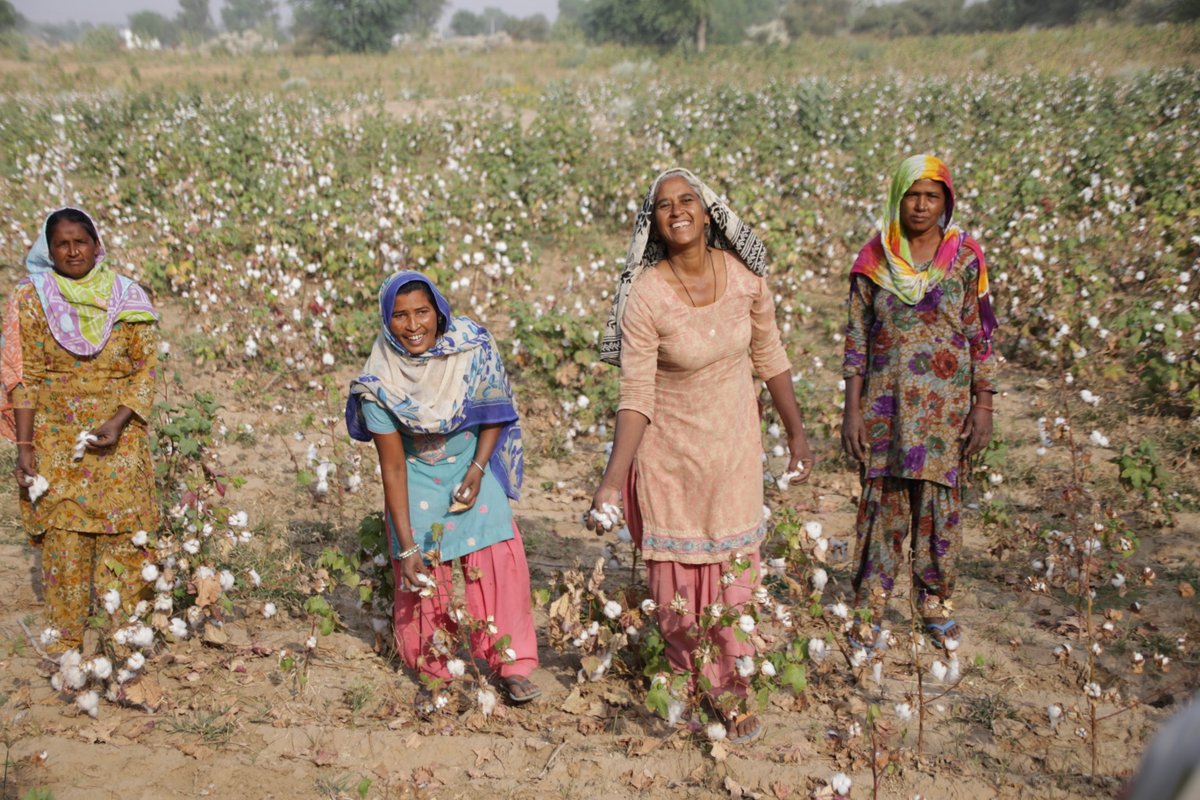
(414,321)
(72,249)
(921,207)
(679,215)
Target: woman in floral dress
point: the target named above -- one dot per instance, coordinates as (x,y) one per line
(920,372)
(79,357)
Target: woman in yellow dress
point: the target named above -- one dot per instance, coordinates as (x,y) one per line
(80,354)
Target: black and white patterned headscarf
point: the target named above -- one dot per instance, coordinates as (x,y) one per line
(646,248)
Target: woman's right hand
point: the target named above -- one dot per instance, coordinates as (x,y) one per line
(26,469)
(854,434)
(605,496)
(410,568)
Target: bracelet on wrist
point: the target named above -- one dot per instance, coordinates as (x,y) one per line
(981,405)
(475,463)
(409,553)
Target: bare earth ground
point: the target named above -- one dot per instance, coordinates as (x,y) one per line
(234,725)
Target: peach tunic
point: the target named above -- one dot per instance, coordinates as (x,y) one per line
(688,370)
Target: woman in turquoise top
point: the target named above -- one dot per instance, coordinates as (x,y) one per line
(436,401)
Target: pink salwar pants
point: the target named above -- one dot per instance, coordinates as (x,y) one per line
(700,586)
(500,591)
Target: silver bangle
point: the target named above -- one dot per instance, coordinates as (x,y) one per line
(412,551)
(475,463)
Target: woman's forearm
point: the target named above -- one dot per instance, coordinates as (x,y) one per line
(783,396)
(854,387)
(485,444)
(631,426)
(394,471)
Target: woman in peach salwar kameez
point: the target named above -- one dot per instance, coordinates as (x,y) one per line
(693,321)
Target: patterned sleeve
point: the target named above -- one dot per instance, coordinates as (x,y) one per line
(639,356)
(983,357)
(137,391)
(33,356)
(859,321)
(766,347)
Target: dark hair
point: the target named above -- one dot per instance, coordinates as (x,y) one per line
(71,215)
(415,286)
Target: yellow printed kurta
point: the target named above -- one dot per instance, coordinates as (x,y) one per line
(108,491)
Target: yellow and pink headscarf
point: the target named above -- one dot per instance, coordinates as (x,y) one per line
(887,261)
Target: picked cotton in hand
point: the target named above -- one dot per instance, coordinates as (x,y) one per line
(38,488)
(81,442)
(786,478)
(607,516)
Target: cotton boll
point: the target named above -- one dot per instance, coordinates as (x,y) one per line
(89,702)
(904,712)
(612,609)
(840,783)
(456,667)
(819,578)
(191,546)
(255,580)
(50,635)
(938,670)
(38,488)
(142,636)
(141,539)
(149,572)
(716,731)
(225,578)
(675,711)
(818,649)
(310,643)
(179,628)
(510,655)
(135,662)
(74,677)
(746,623)
(112,601)
(813,530)
(648,606)
(101,667)
(487,701)
(953,669)
(745,666)
(767,669)
(125,676)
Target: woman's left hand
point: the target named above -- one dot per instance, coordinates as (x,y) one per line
(106,434)
(977,430)
(467,492)
(801,460)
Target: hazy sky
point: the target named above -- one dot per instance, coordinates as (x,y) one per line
(118,11)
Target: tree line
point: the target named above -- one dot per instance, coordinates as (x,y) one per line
(372,25)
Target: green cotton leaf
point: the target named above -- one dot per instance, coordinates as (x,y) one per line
(318,605)
(657,700)
(794,676)
(364,593)
(189,446)
(353,579)
(364,786)
(541,597)
(502,643)
(326,626)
